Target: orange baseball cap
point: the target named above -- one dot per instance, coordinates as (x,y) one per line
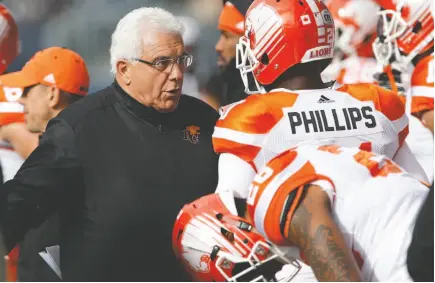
(9,39)
(54,66)
(232,16)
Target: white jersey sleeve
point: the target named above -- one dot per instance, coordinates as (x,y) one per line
(235,175)
(407,160)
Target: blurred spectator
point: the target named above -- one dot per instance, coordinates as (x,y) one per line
(190,38)
(54,78)
(212,91)
(231,23)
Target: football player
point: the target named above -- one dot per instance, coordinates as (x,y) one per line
(231,27)
(405,41)
(355,25)
(12,151)
(347,213)
(286,46)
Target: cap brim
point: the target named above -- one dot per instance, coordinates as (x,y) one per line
(17,79)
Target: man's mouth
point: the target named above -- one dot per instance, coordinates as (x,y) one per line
(174,91)
(220,62)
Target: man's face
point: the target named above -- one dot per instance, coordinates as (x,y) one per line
(37,112)
(156,87)
(226,48)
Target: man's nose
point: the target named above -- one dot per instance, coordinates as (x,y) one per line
(177,72)
(219,45)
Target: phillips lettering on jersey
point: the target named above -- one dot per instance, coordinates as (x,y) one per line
(334,121)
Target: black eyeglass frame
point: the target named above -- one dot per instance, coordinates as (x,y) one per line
(177,60)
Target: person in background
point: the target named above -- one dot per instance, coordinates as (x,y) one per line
(355,29)
(406,41)
(190,38)
(52,80)
(12,151)
(404,50)
(231,27)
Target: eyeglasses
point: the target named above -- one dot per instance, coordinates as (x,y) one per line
(183,61)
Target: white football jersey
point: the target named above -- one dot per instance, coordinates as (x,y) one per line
(10,161)
(374,202)
(262,126)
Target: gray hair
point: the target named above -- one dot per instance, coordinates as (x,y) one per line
(137,27)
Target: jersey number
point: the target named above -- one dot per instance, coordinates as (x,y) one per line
(260,178)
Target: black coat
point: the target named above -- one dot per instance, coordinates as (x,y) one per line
(118,173)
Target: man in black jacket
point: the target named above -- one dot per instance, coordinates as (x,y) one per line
(119,164)
(52,79)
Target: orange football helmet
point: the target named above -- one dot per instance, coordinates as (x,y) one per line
(9,40)
(214,244)
(281,34)
(355,24)
(405,29)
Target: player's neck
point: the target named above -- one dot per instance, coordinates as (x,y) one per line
(301,83)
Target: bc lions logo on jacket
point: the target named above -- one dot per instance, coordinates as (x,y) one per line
(191,133)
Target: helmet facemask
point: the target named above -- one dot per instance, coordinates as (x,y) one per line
(246,62)
(391,26)
(258,266)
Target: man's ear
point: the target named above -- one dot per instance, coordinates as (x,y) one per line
(124,69)
(54,98)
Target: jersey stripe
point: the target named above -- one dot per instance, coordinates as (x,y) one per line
(239,137)
(425,91)
(268,193)
(401,123)
(11,107)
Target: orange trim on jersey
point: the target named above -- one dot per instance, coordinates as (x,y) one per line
(251,116)
(422,74)
(258,113)
(388,168)
(389,71)
(272,221)
(402,135)
(421,103)
(387,102)
(340,76)
(384,100)
(391,104)
(364,158)
(243,151)
(367,146)
(332,148)
(9,118)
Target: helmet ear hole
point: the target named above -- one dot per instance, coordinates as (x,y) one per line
(264,59)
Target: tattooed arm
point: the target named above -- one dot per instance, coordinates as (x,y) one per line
(317,235)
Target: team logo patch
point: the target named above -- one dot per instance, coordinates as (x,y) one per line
(191,134)
(198,261)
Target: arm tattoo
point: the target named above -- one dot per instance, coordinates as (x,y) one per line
(321,248)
